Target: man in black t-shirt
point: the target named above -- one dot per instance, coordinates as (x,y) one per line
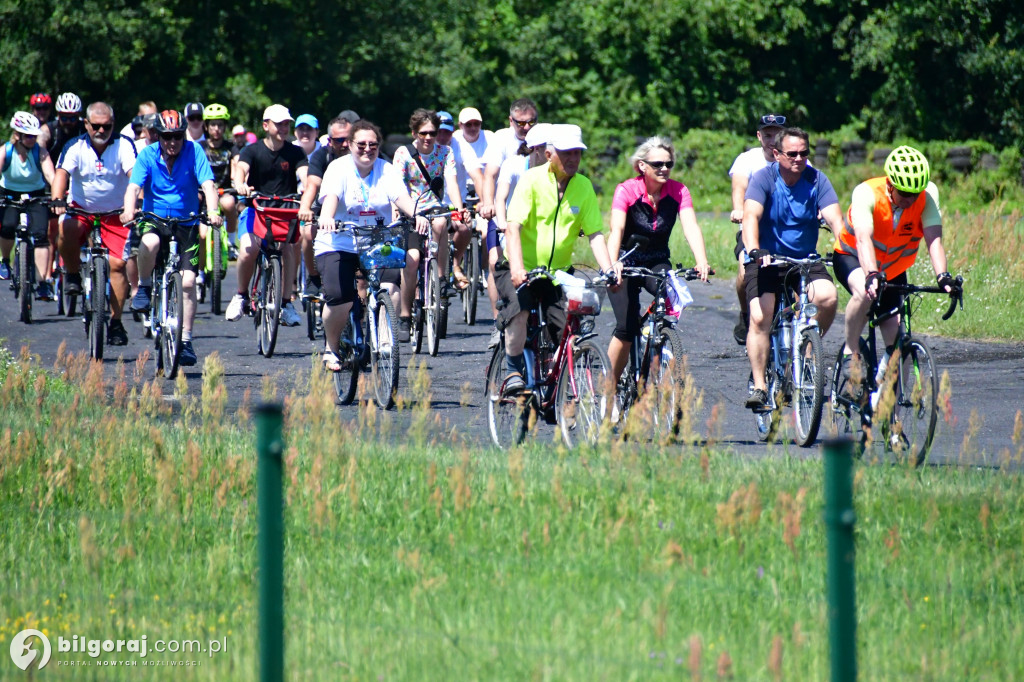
(336,147)
(271,166)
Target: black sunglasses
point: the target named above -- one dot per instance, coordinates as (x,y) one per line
(338,140)
(427,133)
(172,136)
(906,195)
(100,126)
(367,145)
(68,119)
(527,122)
(773,120)
(658,165)
(801,153)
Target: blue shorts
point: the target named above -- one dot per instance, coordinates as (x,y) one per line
(494,238)
(245,220)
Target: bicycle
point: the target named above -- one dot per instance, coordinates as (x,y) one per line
(215,264)
(273,227)
(380,247)
(23,274)
(655,370)
(795,371)
(430,307)
(471,268)
(166,317)
(900,392)
(95,280)
(566,383)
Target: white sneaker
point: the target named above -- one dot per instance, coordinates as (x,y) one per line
(289,317)
(234,311)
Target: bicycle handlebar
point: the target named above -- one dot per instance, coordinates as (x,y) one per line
(160,220)
(357,228)
(955,296)
(810,259)
(82,213)
(688,274)
(24,202)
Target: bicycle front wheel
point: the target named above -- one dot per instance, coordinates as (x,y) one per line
(909,431)
(385,355)
(508,415)
(808,387)
(219,267)
(471,268)
(171,324)
(97,307)
(270,296)
(581,400)
(25,271)
(346,381)
(665,383)
(432,304)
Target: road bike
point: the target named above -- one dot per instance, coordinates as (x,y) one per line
(166,316)
(795,370)
(273,227)
(567,384)
(430,307)
(95,280)
(656,372)
(23,274)
(380,247)
(899,394)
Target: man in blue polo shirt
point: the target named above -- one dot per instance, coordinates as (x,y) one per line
(171,173)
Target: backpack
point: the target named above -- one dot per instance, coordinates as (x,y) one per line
(9,155)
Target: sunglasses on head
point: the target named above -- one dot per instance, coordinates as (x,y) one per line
(427,133)
(101,126)
(658,165)
(773,120)
(367,146)
(801,153)
(172,137)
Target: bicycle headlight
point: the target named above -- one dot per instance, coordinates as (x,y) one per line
(586,326)
(810,310)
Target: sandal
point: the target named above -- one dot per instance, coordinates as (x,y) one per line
(331,361)
(461,281)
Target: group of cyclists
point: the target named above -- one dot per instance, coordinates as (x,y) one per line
(532,204)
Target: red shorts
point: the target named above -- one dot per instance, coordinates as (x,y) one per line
(112,232)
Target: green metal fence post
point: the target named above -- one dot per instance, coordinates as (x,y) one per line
(839,521)
(270,446)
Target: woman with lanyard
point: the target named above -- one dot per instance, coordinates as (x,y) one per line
(358,188)
(26,169)
(428,171)
(648,205)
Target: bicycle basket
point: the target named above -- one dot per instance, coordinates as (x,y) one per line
(381,248)
(281,224)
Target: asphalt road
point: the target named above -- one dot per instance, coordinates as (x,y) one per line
(987,379)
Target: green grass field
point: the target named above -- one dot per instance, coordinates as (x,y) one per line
(412,559)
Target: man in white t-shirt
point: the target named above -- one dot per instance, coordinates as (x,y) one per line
(98,166)
(522,116)
(745,165)
(473,141)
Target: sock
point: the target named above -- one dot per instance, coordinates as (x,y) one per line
(146,281)
(186,335)
(515,364)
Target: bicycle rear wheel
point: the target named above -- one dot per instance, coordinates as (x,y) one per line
(808,387)
(508,416)
(25,276)
(171,324)
(270,299)
(909,431)
(847,420)
(581,400)
(97,306)
(767,422)
(471,268)
(432,305)
(218,269)
(385,354)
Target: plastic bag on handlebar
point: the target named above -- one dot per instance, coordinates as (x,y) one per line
(677,294)
(582,300)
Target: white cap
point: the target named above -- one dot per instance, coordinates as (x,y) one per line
(277,113)
(538,134)
(565,136)
(238,130)
(470,114)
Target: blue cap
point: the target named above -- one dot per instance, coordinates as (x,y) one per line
(307,120)
(447,121)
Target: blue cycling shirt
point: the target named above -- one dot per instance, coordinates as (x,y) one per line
(174,194)
(789,223)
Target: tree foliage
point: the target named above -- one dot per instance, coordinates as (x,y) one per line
(928,69)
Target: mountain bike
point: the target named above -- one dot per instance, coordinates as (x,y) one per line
(430,307)
(380,247)
(273,227)
(655,371)
(899,394)
(95,280)
(166,317)
(795,371)
(567,384)
(23,274)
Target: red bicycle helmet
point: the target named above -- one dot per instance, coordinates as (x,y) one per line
(170,121)
(40,99)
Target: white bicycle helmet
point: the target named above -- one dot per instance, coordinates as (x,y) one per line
(25,123)
(69,103)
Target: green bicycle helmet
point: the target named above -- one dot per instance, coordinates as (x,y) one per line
(907,169)
(215,112)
